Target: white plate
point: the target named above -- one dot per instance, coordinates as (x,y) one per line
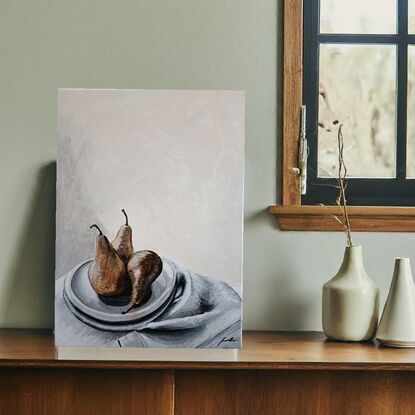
(118,327)
(82,296)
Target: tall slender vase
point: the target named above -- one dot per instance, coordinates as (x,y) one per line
(397,325)
(350,301)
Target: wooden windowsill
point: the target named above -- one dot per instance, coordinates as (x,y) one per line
(362,218)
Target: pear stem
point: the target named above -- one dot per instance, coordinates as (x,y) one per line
(126,217)
(127,309)
(96,226)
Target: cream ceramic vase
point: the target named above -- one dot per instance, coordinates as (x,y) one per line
(397,325)
(350,301)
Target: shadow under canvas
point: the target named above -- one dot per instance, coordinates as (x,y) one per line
(31,275)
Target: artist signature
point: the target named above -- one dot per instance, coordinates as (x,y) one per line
(228,339)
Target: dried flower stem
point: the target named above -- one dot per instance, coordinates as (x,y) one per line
(341,199)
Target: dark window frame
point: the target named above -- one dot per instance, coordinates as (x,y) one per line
(398,191)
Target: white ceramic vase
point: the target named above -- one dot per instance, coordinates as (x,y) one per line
(397,325)
(350,301)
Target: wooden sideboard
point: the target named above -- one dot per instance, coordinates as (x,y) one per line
(274,373)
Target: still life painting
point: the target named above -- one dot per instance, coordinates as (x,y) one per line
(149,222)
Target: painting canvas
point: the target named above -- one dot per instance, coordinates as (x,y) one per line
(149,223)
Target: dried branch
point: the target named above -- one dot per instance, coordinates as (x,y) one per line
(341,198)
(335,217)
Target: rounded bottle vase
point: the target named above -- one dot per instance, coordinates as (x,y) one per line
(350,301)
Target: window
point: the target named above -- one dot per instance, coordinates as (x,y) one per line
(351,61)
(359,69)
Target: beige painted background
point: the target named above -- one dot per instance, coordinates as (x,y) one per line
(188,44)
(173,159)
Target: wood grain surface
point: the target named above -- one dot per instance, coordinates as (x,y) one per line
(288,392)
(85,392)
(362,218)
(292,99)
(275,373)
(261,350)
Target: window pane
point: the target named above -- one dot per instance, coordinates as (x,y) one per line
(358,16)
(411,16)
(358,88)
(410,152)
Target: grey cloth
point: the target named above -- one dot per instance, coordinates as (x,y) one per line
(202,313)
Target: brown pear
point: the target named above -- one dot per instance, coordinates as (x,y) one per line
(123,242)
(107,273)
(143,269)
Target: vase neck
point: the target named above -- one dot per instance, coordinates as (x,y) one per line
(353,261)
(402,268)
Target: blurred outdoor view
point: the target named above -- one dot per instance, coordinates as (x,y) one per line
(358,88)
(358,16)
(410,164)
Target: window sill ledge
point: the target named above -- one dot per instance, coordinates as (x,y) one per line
(362,218)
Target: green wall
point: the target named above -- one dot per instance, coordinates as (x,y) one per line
(189,44)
